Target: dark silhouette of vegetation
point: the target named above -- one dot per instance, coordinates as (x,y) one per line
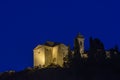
(68,58)
(96,51)
(100,65)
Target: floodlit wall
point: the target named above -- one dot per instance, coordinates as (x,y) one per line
(48,55)
(39,56)
(54,55)
(62,52)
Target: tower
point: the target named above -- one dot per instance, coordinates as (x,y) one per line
(79,41)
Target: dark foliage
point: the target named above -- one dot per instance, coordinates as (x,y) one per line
(96,52)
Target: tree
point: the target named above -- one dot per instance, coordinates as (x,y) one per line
(97,51)
(76,50)
(68,58)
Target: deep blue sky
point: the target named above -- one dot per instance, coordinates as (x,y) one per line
(25,24)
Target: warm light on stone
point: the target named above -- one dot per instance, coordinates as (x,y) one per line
(39,56)
(55,53)
(45,55)
(85,55)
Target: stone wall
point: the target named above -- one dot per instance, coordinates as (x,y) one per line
(46,55)
(39,56)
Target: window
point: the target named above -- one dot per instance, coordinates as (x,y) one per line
(81,43)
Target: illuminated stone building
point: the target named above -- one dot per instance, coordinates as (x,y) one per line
(55,53)
(50,53)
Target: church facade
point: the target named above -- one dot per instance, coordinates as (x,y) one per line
(50,53)
(54,53)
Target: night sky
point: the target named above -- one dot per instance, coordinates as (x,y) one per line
(25,24)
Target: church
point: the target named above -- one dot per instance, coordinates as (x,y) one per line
(54,53)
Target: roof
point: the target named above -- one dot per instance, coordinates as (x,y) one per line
(37,47)
(80,36)
(51,44)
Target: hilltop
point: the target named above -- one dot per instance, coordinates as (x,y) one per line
(83,72)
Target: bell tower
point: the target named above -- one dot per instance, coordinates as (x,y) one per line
(80,41)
